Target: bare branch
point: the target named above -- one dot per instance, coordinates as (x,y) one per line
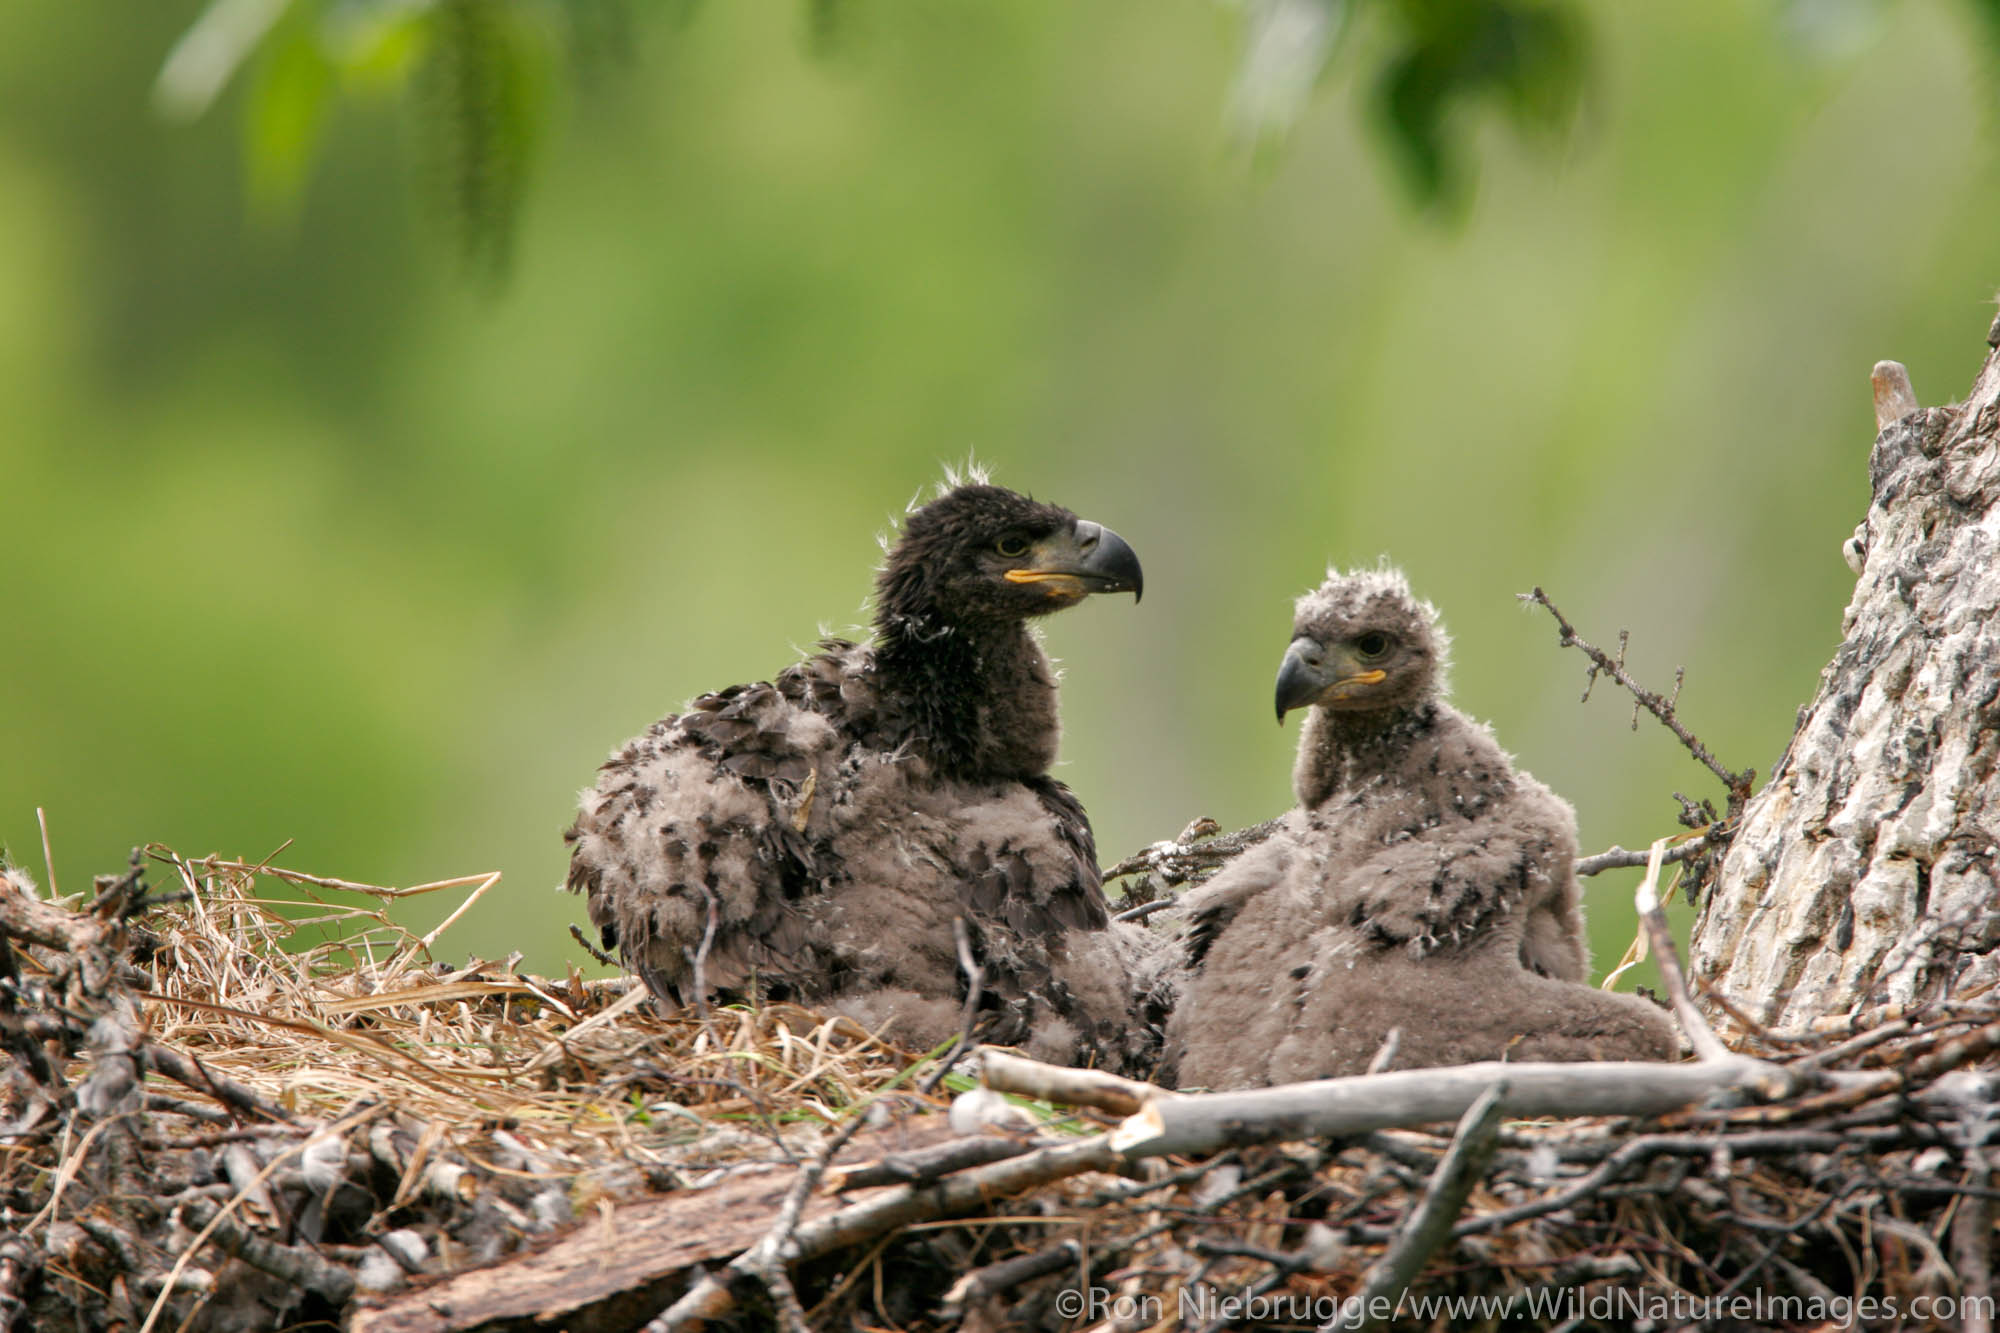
(1203,1122)
(1972,1258)
(1618,858)
(296,1265)
(928,1164)
(1144,910)
(1894,397)
(1707,1045)
(766,1260)
(698,959)
(975,987)
(602,957)
(1385,1055)
(1004,1071)
(712,1298)
(1194,854)
(1211,855)
(1738,784)
(983,1283)
(192,1073)
(1429,1223)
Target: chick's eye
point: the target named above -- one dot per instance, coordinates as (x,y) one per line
(1372,644)
(1012,546)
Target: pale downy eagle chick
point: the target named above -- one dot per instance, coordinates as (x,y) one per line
(837,819)
(1423,884)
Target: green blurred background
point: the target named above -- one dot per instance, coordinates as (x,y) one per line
(310,535)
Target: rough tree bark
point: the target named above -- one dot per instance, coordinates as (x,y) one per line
(1863,873)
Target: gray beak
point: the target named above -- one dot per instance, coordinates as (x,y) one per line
(1301,677)
(1109,564)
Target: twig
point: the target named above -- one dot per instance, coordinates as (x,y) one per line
(221,1215)
(698,961)
(451,919)
(1202,1122)
(576,933)
(766,1260)
(1972,1257)
(1185,857)
(975,986)
(28,918)
(929,1164)
(192,1073)
(1004,1071)
(296,1265)
(1618,858)
(711,1298)
(1738,784)
(1950,1055)
(1427,1225)
(1587,1268)
(210,864)
(995,1278)
(1637,1152)
(1707,1046)
(1230,844)
(1894,398)
(1385,1054)
(989,1281)
(25,1046)
(1787,1234)
(48,856)
(1853,1090)
(1828,1057)
(1144,910)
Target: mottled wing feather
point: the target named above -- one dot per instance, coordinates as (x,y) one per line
(1078,904)
(1211,908)
(1432,891)
(1444,882)
(835,861)
(711,814)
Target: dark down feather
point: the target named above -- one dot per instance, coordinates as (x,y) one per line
(1423,884)
(838,818)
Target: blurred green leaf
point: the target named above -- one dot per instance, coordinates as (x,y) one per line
(1531,56)
(827,24)
(1286,47)
(288,104)
(210,52)
(481,67)
(485,91)
(1987,12)
(374,46)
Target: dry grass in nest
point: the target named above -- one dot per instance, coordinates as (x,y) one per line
(292,1016)
(322,1010)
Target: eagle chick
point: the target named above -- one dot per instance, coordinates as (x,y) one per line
(834,822)
(1422,885)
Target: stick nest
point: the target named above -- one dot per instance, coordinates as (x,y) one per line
(226,1109)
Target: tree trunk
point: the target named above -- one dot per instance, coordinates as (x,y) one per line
(1863,873)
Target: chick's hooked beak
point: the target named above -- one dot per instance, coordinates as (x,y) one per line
(1311,674)
(1081,560)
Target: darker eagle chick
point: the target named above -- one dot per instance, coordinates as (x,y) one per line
(1423,884)
(824,830)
